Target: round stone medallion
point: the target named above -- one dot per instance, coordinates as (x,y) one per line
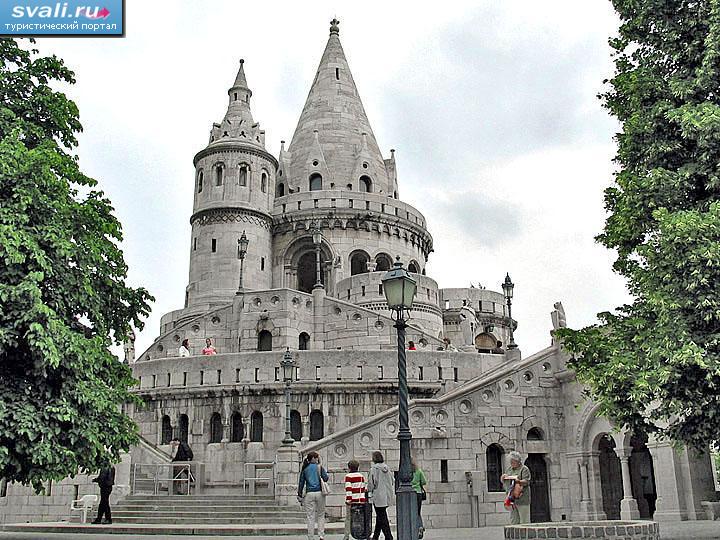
(391,427)
(340,450)
(417,416)
(366,439)
(441,417)
(465,406)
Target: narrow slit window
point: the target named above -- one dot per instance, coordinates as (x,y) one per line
(381,373)
(219,376)
(262,264)
(339,373)
(337,74)
(317,373)
(213,247)
(257,374)
(237,375)
(420,373)
(154,381)
(202,377)
(277,374)
(359,373)
(184,378)
(444,479)
(455,374)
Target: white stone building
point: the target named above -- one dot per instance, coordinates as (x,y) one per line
(470,407)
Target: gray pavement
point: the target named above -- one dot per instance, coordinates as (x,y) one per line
(695,530)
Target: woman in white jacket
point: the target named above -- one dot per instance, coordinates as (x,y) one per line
(381,494)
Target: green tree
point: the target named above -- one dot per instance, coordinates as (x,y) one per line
(63,297)
(653,365)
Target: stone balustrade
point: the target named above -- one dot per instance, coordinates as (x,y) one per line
(621,530)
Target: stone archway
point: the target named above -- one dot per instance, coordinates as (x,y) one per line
(299,262)
(642,475)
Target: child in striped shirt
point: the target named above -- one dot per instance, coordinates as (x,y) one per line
(355,492)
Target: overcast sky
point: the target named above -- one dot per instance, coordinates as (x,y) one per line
(491,106)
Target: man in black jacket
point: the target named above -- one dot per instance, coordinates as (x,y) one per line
(182,453)
(106,481)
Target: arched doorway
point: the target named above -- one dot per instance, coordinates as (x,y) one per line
(494,456)
(264,341)
(539,489)
(216,428)
(358,263)
(237,429)
(256,426)
(183,428)
(303,341)
(317,425)
(166,434)
(383,262)
(295,425)
(642,477)
(610,477)
(307,272)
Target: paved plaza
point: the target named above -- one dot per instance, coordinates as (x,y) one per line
(695,530)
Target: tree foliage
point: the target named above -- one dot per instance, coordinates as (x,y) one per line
(654,364)
(63,297)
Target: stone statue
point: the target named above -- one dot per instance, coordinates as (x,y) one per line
(129,348)
(558,316)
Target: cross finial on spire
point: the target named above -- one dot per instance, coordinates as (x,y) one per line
(334,26)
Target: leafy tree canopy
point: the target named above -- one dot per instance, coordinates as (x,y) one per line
(63,297)
(654,364)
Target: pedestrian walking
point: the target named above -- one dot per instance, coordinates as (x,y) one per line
(355,493)
(516,482)
(106,480)
(183,452)
(311,494)
(381,494)
(418,483)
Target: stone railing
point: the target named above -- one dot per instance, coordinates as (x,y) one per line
(637,530)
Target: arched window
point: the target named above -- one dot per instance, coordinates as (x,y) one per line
(242,175)
(256,426)
(535,434)
(218,174)
(237,429)
(263,182)
(384,262)
(295,425)
(280,190)
(216,428)
(395,194)
(358,263)
(303,341)
(200,182)
(494,457)
(264,341)
(183,428)
(413,267)
(365,184)
(317,425)
(166,434)
(315,182)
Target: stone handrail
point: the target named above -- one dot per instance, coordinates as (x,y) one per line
(471,386)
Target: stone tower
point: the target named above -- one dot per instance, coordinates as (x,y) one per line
(234,192)
(333,176)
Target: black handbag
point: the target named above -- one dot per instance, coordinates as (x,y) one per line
(423,494)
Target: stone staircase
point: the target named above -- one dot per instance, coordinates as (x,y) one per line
(201,515)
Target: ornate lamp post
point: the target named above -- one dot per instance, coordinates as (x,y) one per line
(399,290)
(242,251)
(287,365)
(508,287)
(317,241)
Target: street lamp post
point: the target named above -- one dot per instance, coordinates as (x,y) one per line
(317,241)
(288,368)
(399,289)
(242,251)
(508,287)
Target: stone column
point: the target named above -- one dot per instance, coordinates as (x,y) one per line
(628,504)
(668,483)
(287,460)
(318,318)
(305,429)
(587,506)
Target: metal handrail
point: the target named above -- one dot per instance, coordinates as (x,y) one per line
(263,466)
(170,477)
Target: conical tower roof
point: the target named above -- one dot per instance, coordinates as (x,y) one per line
(335,111)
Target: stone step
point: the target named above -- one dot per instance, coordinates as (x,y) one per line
(162,529)
(202,499)
(159,520)
(235,508)
(268,515)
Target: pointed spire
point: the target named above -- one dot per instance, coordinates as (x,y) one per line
(240,81)
(334,108)
(238,122)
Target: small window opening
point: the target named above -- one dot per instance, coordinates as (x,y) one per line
(213,248)
(237,375)
(444,479)
(317,373)
(339,373)
(337,74)
(257,374)
(380,372)
(277,374)
(235,96)
(420,373)
(202,377)
(262,263)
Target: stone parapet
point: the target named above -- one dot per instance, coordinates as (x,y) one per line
(637,530)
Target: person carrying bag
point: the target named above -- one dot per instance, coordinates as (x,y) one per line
(314,484)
